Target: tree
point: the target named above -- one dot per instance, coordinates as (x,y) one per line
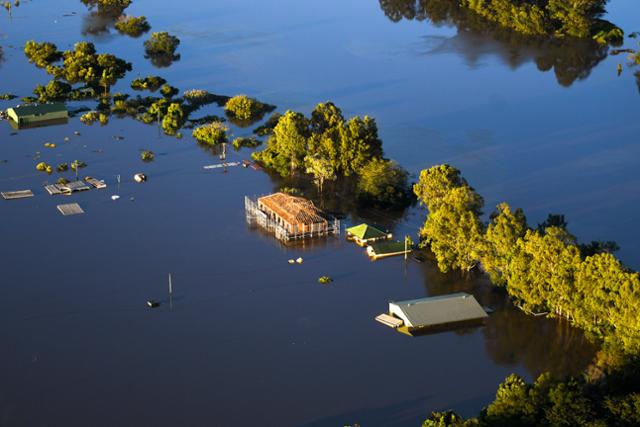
(359,143)
(504,231)
(384,182)
(160,48)
(115,7)
(541,272)
(435,183)
(321,169)
(55,90)
(444,419)
(454,232)
(42,54)
(132,26)
(174,119)
(513,406)
(80,65)
(242,107)
(212,134)
(287,146)
(113,69)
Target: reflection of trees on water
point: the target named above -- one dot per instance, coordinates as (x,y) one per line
(512,337)
(571,59)
(98,24)
(539,344)
(1,56)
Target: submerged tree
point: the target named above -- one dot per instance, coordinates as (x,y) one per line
(80,65)
(132,26)
(212,134)
(326,145)
(160,48)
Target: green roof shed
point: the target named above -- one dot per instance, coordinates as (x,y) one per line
(364,234)
(24,115)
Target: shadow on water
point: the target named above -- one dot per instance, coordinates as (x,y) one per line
(512,337)
(570,59)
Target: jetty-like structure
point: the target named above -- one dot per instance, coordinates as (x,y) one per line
(290,217)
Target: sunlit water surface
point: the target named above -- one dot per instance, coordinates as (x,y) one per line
(247,338)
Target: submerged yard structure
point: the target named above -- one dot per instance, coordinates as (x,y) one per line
(365,234)
(434,313)
(38,114)
(290,217)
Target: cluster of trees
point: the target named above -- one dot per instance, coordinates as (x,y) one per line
(161,49)
(552,403)
(244,110)
(81,65)
(327,146)
(107,6)
(542,269)
(132,26)
(213,133)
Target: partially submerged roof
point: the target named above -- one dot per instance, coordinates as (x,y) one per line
(294,210)
(388,248)
(39,109)
(366,231)
(13,195)
(433,311)
(70,209)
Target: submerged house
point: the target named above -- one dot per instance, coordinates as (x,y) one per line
(38,114)
(290,217)
(434,313)
(386,249)
(365,234)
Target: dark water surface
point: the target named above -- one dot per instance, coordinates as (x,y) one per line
(249,339)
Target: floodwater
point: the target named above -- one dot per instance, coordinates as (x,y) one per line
(246,337)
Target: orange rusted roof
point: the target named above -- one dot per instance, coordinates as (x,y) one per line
(292,209)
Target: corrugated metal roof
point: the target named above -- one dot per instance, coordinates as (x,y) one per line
(384,248)
(39,109)
(366,231)
(440,310)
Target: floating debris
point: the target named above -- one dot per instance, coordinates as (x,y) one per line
(14,195)
(66,139)
(67,188)
(292,261)
(76,133)
(221,165)
(140,177)
(50,145)
(96,183)
(115,197)
(324,280)
(118,138)
(153,303)
(70,209)
(299,260)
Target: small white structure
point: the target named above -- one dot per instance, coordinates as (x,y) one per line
(437,311)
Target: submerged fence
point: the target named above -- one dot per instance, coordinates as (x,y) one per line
(255,216)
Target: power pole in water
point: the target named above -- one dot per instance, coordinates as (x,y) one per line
(170,293)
